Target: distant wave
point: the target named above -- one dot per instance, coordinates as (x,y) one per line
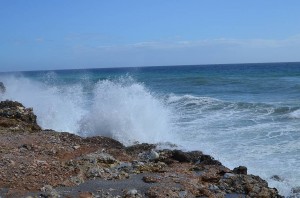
(295,114)
(214,104)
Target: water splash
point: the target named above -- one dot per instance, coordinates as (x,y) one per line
(122,108)
(58,108)
(127,111)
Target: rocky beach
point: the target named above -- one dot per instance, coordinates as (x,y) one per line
(149,99)
(38,162)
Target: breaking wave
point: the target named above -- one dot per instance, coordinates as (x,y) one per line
(128,112)
(121,109)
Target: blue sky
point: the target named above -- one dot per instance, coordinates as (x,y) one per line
(62,34)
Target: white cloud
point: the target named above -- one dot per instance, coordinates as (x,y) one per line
(248,43)
(210,51)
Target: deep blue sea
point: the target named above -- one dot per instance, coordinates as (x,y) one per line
(242,114)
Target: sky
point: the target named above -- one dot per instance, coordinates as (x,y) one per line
(71,34)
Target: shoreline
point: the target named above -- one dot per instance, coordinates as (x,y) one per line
(47,163)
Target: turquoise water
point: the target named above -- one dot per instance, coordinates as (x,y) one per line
(246,114)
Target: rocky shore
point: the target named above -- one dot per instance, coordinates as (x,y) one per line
(45,163)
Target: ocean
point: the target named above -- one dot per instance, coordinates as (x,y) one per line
(242,114)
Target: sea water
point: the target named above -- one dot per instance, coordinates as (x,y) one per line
(242,114)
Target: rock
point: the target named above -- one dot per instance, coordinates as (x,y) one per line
(150,179)
(182,194)
(77,179)
(208,160)
(133,193)
(148,156)
(41,163)
(139,148)
(124,166)
(196,169)
(228,175)
(240,170)
(17,115)
(94,172)
(213,188)
(296,190)
(76,147)
(136,164)
(180,156)
(105,142)
(250,185)
(162,192)
(194,157)
(86,195)
(153,155)
(277,178)
(27,146)
(2,88)
(48,191)
(100,157)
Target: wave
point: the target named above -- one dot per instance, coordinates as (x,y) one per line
(295,114)
(214,104)
(127,111)
(122,108)
(262,136)
(191,100)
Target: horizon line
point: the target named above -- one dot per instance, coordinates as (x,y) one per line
(149,66)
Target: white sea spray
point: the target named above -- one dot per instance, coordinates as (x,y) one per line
(122,108)
(58,108)
(127,111)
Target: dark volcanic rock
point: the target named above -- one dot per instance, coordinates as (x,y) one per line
(240,170)
(277,178)
(193,156)
(208,160)
(2,88)
(139,148)
(180,156)
(105,142)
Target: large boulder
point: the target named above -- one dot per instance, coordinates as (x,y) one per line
(14,114)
